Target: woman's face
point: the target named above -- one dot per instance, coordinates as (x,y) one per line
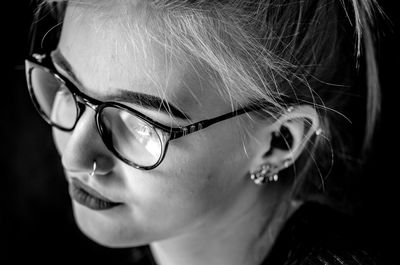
(202,177)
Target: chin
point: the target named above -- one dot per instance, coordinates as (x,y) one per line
(107,229)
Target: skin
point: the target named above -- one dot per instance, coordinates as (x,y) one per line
(201,189)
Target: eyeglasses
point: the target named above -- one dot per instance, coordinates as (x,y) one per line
(133,137)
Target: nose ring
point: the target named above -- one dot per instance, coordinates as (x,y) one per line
(91,174)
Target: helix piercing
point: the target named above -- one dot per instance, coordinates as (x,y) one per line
(91,174)
(317,132)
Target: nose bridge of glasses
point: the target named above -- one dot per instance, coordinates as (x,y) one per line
(87,102)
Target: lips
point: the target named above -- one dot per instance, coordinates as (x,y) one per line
(89,197)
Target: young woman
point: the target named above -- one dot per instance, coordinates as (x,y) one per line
(212,131)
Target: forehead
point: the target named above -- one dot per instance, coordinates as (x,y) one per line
(115,49)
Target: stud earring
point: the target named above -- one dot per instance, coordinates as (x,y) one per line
(264,174)
(287,162)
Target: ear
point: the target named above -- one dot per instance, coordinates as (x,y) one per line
(286,138)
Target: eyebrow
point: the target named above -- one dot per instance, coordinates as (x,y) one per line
(141,99)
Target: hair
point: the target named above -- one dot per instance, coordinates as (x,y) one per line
(317,52)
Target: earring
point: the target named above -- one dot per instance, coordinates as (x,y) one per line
(264,174)
(91,174)
(287,163)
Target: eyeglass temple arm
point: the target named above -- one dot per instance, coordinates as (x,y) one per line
(179,132)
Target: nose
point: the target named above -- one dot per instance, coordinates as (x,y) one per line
(83,146)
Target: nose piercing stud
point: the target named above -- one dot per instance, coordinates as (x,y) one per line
(91,174)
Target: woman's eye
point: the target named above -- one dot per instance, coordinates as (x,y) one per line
(143,130)
(136,126)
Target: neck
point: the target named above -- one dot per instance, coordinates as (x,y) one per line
(243,237)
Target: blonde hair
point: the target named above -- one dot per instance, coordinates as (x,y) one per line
(282,52)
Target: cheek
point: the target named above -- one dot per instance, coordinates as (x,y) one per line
(60,140)
(173,202)
(196,182)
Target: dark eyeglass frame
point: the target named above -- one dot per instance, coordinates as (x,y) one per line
(82,100)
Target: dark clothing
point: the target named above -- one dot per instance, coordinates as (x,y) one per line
(314,235)
(317,235)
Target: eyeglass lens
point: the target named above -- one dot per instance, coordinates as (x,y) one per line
(131,137)
(54,99)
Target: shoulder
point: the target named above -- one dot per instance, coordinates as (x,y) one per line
(329,256)
(318,235)
(337,251)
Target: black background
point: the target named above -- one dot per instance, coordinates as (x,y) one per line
(36,223)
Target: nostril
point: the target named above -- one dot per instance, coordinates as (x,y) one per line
(89,166)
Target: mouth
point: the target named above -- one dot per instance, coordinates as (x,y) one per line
(86,196)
